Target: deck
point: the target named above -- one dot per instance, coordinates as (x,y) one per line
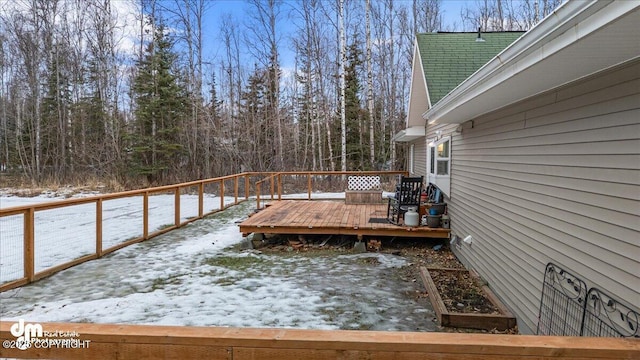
(331,217)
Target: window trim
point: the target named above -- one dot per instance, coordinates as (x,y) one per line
(442,181)
(443,158)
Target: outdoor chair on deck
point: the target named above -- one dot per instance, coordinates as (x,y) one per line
(407,195)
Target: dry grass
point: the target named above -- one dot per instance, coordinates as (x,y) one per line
(21,186)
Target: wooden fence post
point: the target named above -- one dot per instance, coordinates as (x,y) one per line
(29,245)
(176,214)
(201,200)
(309,186)
(221,194)
(99,228)
(145,215)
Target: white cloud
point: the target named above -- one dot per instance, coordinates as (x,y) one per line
(125,16)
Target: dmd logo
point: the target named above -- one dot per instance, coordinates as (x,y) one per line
(24,333)
(33,336)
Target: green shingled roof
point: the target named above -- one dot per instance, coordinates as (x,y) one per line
(449,58)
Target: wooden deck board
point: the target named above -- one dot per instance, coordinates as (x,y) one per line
(330,217)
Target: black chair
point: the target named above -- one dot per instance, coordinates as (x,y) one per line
(407,195)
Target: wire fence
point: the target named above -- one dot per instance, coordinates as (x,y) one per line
(122,220)
(64,234)
(38,240)
(11,247)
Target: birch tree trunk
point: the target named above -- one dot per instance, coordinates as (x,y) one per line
(343,119)
(372,151)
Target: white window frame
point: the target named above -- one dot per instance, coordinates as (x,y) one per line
(442,181)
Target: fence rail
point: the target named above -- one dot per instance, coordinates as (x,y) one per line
(49,237)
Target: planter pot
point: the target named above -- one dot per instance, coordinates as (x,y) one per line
(503,321)
(437,208)
(433,221)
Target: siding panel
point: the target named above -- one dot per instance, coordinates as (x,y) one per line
(554,178)
(420,157)
(613,176)
(479,130)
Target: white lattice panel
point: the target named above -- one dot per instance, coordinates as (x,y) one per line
(361,182)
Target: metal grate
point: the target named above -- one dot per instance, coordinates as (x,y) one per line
(562,303)
(605,316)
(568,309)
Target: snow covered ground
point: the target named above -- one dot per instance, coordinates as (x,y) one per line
(197,276)
(67,233)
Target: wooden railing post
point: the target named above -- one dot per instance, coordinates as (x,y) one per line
(29,245)
(221,194)
(246,187)
(309,186)
(272,185)
(176,214)
(99,227)
(279,186)
(145,215)
(235,189)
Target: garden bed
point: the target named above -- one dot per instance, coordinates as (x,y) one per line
(460,301)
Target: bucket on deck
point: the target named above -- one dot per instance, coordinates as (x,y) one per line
(433,221)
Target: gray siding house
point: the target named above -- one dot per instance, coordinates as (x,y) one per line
(538,153)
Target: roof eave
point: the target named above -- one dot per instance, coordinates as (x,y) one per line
(518,71)
(409,134)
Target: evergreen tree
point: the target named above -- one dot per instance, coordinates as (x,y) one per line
(54,117)
(160,111)
(354,113)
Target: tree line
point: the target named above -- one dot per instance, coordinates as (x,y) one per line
(123,90)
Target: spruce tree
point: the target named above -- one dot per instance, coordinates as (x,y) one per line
(160,110)
(354,114)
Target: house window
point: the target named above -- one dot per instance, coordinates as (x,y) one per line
(439,162)
(442,158)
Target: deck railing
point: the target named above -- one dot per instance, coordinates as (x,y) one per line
(336,178)
(41,239)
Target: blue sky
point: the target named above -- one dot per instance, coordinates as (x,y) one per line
(239,9)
